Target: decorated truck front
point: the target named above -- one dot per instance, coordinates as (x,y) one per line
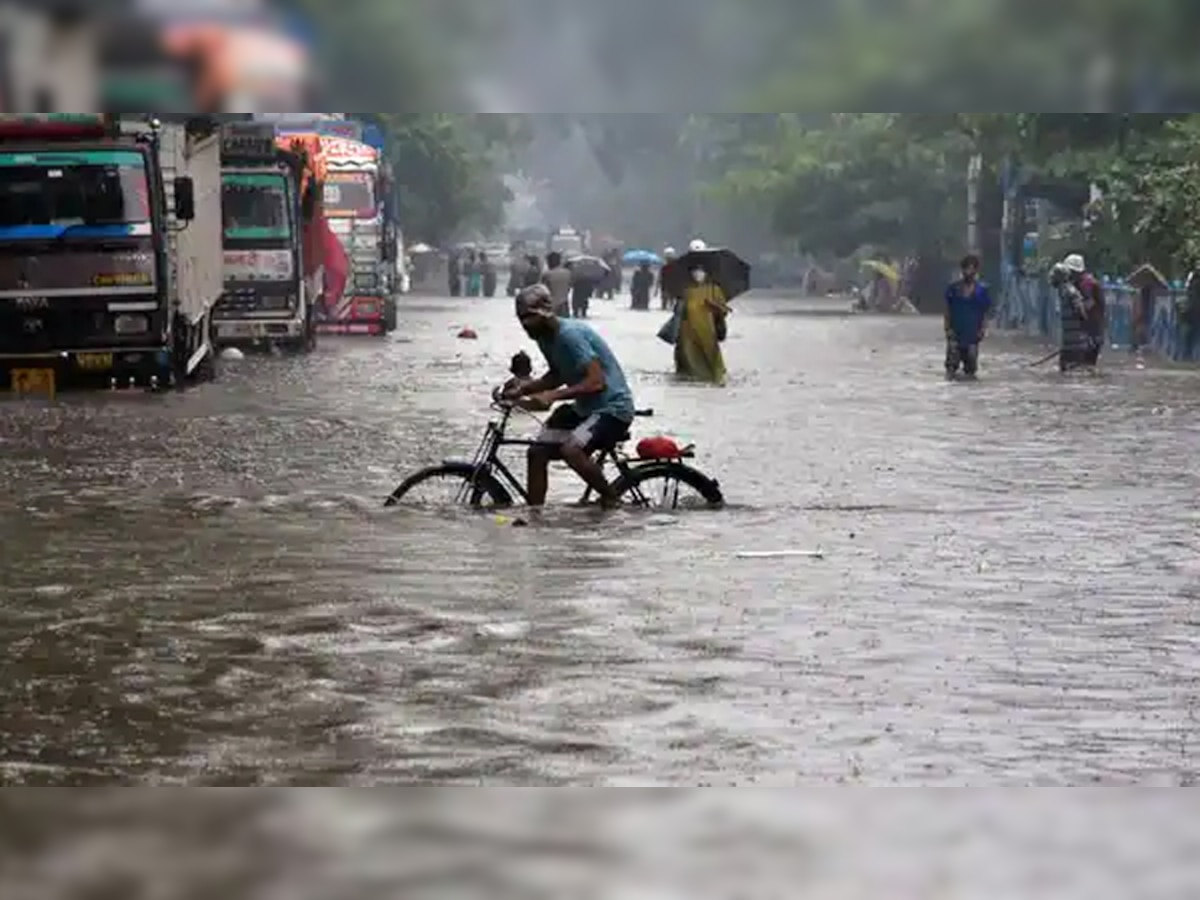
(353,199)
(264,302)
(106,267)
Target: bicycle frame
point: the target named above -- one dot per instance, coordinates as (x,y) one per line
(487,458)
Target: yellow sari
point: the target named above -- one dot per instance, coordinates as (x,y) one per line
(698,350)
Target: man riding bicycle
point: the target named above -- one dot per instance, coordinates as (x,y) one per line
(583,369)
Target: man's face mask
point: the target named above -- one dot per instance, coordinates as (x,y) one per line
(536,326)
(699,276)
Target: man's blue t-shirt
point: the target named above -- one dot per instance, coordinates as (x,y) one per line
(968,311)
(571,351)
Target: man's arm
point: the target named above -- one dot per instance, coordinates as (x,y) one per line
(949,298)
(986,300)
(593,382)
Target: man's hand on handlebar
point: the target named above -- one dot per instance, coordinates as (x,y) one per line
(510,395)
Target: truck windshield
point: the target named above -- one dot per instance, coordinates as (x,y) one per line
(255,207)
(350,194)
(73,193)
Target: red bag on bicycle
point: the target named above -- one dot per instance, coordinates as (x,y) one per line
(660,447)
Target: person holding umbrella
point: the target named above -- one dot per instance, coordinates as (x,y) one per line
(588,276)
(705,279)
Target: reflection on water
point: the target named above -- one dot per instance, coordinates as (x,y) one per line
(205,589)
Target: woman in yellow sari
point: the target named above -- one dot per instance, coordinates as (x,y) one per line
(701,330)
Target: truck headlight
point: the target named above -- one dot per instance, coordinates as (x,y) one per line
(131,324)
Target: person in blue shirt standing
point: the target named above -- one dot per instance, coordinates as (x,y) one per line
(968,307)
(584,370)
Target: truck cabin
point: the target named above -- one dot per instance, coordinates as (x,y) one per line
(64,177)
(259,203)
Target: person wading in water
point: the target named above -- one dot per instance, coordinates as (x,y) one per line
(1083,309)
(1095,305)
(968,305)
(1075,346)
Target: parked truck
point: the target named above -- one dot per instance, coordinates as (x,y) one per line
(355,186)
(266,302)
(110,248)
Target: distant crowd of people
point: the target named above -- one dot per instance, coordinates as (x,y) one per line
(472,274)
(697,325)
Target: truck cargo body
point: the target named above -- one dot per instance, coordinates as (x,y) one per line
(264,302)
(104,270)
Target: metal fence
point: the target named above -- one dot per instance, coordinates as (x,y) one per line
(1030,306)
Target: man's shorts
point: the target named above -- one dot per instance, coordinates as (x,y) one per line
(593,434)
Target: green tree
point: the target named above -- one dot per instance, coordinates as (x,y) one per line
(384,54)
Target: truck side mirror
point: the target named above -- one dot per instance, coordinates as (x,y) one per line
(185,199)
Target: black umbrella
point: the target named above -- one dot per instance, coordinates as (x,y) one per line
(724,267)
(590,267)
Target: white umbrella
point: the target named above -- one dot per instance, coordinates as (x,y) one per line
(420,248)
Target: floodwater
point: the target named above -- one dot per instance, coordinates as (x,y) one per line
(204,589)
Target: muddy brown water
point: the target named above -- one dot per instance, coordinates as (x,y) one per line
(203,589)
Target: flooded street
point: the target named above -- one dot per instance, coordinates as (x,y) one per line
(204,588)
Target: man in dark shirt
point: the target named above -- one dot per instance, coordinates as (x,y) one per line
(968,305)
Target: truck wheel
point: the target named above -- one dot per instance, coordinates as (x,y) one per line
(390,314)
(310,333)
(179,352)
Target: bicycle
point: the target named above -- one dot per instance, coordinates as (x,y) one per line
(487,481)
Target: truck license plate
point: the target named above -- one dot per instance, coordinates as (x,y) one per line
(34,381)
(94,362)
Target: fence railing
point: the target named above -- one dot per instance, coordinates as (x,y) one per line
(1029,305)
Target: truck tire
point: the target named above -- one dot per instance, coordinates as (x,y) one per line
(179,354)
(310,331)
(390,315)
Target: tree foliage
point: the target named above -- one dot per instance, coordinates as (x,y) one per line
(836,181)
(387,54)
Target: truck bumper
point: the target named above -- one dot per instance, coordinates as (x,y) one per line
(361,315)
(145,366)
(232,332)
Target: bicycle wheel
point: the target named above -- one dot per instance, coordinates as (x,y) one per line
(668,485)
(451,484)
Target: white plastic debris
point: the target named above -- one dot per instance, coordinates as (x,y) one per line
(781,554)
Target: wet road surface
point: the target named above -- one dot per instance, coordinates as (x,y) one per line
(203,588)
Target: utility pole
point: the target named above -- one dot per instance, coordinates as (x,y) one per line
(974,176)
